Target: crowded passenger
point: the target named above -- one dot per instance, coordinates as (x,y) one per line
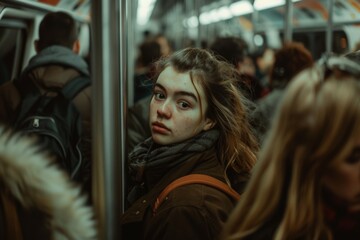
(150,51)
(263,59)
(289,61)
(199,125)
(234,50)
(306,184)
(55,66)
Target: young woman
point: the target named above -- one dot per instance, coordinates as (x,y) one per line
(307,182)
(199,124)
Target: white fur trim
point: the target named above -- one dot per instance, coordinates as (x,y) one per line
(35,182)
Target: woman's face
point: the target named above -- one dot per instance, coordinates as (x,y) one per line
(175,113)
(343,179)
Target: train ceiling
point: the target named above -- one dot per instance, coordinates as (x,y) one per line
(305,12)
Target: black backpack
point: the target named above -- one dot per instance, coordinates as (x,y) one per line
(54,120)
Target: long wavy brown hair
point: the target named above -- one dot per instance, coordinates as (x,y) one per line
(317,124)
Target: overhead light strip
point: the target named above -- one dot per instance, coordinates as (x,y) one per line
(233,10)
(144,11)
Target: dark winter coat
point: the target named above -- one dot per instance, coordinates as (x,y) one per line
(189,212)
(51,68)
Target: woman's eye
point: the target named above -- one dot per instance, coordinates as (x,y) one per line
(159,95)
(184,105)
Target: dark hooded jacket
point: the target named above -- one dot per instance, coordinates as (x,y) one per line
(52,68)
(192,211)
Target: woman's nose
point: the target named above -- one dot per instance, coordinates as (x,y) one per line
(164,110)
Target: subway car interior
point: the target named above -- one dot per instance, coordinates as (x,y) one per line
(110,33)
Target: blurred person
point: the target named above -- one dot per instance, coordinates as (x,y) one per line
(234,50)
(55,64)
(263,60)
(138,123)
(307,181)
(150,51)
(165,46)
(198,122)
(291,59)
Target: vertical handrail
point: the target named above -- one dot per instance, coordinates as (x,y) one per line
(254,21)
(197,6)
(329,28)
(131,8)
(108,71)
(126,43)
(288,18)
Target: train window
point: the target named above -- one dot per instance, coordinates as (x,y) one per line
(12,43)
(315,41)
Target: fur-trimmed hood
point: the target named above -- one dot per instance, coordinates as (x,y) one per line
(36,183)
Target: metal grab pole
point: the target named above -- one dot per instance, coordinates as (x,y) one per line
(329,29)
(197,6)
(288,20)
(254,21)
(108,92)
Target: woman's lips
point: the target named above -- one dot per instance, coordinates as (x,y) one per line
(159,128)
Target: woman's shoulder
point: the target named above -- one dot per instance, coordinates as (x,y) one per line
(199,196)
(193,211)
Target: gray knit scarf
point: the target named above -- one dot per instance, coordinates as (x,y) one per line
(149,156)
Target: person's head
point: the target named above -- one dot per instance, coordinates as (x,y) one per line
(150,51)
(263,59)
(291,59)
(231,49)
(312,150)
(195,92)
(165,46)
(58,28)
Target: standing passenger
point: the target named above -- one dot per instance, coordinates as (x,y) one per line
(307,182)
(55,64)
(234,50)
(150,51)
(291,59)
(199,125)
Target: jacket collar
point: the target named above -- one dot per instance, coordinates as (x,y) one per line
(58,55)
(204,163)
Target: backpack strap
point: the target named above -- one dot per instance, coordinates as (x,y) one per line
(13,228)
(26,87)
(74,86)
(193,179)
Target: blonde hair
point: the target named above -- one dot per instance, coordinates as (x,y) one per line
(227,107)
(316,124)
